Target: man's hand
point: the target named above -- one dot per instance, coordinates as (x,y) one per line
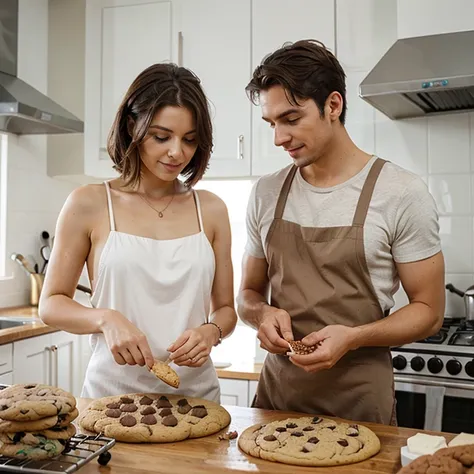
(332,343)
(275,330)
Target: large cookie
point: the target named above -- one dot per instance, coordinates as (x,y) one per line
(30,402)
(58,421)
(310,441)
(38,447)
(36,438)
(154,418)
(456,460)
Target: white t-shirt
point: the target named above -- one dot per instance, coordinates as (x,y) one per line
(401,224)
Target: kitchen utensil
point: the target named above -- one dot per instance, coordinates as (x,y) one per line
(18,257)
(45,254)
(468,297)
(45,237)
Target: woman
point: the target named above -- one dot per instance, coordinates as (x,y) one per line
(157,252)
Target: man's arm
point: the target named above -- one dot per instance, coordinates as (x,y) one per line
(423,283)
(273,324)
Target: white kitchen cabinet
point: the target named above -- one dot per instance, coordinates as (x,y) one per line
(431,17)
(6,358)
(6,379)
(65,363)
(271,28)
(215,44)
(252,390)
(123,37)
(32,360)
(365,31)
(234,392)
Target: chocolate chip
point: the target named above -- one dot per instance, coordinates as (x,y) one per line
(183,402)
(184,409)
(316,420)
(126,400)
(270,438)
(148,411)
(30,386)
(280,429)
(128,420)
(308,428)
(146,401)
(199,411)
(114,406)
(297,434)
(313,440)
(163,402)
(24,412)
(4,407)
(170,420)
(148,420)
(343,442)
(113,413)
(18,436)
(166,412)
(129,407)
(304,450)
(291,425)
(332,428)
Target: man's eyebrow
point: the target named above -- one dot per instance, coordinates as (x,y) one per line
(169,130)
(283,114)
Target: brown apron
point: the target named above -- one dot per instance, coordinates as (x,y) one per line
(319,275)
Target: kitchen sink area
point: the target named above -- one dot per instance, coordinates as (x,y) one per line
(7,322)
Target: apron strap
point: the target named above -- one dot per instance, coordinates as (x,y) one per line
(366,194)
(285,190)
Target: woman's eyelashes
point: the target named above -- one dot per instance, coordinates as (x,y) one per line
(190,141)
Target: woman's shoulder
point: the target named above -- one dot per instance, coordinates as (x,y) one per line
(87,199)
(211,203)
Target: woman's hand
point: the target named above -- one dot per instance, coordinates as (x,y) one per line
(193,347)
(126,342)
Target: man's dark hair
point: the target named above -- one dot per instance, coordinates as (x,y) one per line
(305,69)
(156,87)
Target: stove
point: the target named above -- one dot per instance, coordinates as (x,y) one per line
(449,354)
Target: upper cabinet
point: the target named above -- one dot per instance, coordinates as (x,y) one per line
(123,37)
(431,17)
(214,42)
(273,25)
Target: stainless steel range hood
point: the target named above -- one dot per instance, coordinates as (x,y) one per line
(23,109)
(427,75)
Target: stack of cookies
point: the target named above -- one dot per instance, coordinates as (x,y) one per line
(35,421)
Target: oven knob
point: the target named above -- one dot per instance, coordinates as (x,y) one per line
(399,362)
(435,365)
(418,363)
(453,367)
(470,368)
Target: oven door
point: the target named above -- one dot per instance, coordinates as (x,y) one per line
(431,403)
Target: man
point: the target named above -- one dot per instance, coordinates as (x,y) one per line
(331,237)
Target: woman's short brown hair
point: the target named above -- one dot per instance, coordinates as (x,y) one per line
(158,86)
(305,69)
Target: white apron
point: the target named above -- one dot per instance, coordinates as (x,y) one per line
(163,287)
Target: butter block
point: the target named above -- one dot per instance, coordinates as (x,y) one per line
(462,439)
(423,443)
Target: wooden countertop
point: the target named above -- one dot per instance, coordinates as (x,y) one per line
(36,328)
(209,455)
(242,371)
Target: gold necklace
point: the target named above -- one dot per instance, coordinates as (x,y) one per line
(160,213)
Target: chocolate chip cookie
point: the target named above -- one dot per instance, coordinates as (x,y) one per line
(310,441)
(456,460)
(154,418)
(31,402)
(32,446)
(164,372)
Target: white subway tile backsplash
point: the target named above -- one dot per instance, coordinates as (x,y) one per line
(403,142)
(452,193)
(449,143)
(456,241)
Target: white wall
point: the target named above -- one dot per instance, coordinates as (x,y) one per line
(33,199)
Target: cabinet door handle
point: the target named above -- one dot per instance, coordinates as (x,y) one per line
(54,350)
(50,365)
(180,48)
(240,147)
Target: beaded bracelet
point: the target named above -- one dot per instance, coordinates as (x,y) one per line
(220,332)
